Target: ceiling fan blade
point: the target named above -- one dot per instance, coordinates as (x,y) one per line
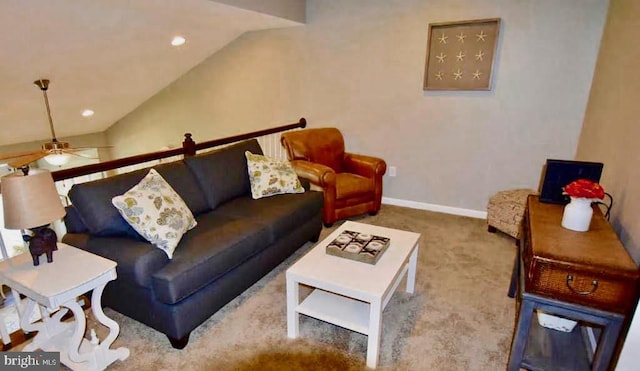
(26,160)
(19,154)
(74,153)
(92,147)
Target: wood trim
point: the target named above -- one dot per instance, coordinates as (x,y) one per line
(236,138)
(189,148)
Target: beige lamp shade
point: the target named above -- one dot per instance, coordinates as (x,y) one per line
(30,201)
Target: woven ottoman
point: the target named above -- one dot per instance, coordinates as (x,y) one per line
(506,210)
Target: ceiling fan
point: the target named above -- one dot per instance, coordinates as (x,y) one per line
(54,152)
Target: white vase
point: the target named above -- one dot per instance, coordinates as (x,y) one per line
(577,214)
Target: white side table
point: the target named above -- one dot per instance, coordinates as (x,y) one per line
(50,286)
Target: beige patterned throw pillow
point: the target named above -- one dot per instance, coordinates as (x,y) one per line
(270,177)
(156,211)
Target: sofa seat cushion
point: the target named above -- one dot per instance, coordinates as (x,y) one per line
(137,259)
(218,244)
(281,213)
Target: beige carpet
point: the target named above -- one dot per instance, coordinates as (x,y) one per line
(459,317)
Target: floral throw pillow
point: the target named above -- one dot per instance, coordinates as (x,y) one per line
(156,211)
(270,177)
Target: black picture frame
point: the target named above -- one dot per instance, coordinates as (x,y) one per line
(559,173)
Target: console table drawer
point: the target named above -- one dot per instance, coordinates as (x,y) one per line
(589,268)
(609,293)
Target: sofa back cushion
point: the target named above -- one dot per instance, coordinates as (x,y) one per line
(182,180)
(222,174)
(92,200)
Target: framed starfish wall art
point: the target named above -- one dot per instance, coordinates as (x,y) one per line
(460,54)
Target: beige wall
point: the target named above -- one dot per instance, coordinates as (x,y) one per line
(610,135)
(611,126)
(359,65)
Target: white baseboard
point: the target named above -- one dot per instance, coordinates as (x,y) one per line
(437,208)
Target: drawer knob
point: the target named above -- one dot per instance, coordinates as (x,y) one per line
(594,283)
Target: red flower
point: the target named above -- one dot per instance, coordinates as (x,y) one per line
(584,188)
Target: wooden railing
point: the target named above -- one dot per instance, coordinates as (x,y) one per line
(269,141)
(189,148)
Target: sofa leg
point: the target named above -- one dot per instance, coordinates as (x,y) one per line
(179,343)
(328,225)
(373,213)
(315,238)
(491,229)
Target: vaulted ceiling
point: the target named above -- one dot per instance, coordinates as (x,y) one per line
(105,55)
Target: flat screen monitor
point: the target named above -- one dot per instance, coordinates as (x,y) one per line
(559,173)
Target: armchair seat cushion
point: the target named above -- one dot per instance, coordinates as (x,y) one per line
(351,185)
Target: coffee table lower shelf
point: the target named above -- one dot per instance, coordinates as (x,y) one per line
(337,309)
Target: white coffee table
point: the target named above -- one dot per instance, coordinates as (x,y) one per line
(349,293)
(51,286)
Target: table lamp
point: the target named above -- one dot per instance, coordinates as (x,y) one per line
(31,201)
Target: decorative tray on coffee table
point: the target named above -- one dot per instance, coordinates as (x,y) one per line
(362,247)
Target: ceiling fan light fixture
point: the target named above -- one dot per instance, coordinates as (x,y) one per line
(57,159)
(56,156)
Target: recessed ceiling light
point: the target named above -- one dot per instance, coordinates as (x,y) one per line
(178,40)
(87,113)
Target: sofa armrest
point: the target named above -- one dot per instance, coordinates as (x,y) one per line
(367,166)
(305,183)
(317,174)
(78,240)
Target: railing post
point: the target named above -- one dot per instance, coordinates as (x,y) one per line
(188,145)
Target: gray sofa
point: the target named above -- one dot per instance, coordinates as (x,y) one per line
(236,242)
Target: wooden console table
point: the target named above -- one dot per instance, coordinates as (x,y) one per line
(588,277)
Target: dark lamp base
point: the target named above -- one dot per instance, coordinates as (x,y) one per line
(43,241)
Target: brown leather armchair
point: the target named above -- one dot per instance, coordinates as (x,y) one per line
(352,183)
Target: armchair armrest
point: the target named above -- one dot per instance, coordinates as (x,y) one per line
(317,174)
(367,166)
